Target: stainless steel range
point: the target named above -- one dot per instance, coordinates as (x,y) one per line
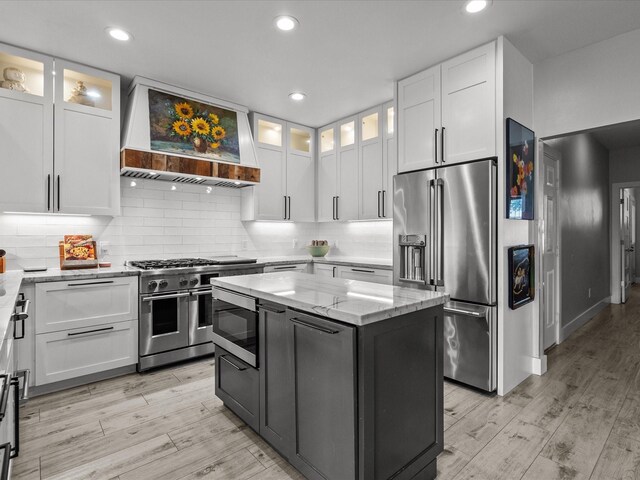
(175,306)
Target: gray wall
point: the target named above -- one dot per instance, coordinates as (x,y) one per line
(584,223)
(625,165)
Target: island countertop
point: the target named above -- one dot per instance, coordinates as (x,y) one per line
(350,301)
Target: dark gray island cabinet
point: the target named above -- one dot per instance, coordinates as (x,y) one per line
(348,390)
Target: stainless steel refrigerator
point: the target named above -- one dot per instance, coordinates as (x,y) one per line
(444,227)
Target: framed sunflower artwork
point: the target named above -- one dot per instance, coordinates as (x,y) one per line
(520,171)
(521,275)
(184,126)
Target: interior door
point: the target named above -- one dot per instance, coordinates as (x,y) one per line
(625,243)
(549,231)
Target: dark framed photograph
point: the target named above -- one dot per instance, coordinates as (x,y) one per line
(521,275)
(520,167)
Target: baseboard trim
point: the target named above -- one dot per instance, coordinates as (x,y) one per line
(539,365)
(83,380)
(583,318)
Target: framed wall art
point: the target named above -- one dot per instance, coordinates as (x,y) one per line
(520,168)
(521,275)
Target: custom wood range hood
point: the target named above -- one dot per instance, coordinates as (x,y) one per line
(151,115)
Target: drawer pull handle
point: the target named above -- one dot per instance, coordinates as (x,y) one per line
(314,327)
(272,310)
(105,329)
(103,282)
(224,357)
(362,270)
(285,267)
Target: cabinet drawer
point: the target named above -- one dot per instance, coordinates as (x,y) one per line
(73,353)
(296,267)
(373,275)
(325,270)
(238,386)
(85,303)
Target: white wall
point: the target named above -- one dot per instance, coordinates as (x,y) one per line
(589,87)
(518,330)
(157,222)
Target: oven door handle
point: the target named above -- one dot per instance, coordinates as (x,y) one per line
(224,357)
(201,292)
(164,297)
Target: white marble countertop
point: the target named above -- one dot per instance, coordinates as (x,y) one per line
(55,274)
(350,301)
(9,287)
(337,260)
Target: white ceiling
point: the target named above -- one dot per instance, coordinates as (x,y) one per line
(345,54)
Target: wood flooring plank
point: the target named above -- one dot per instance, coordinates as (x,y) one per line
(108,466)
(508,455)
(188,435)
(282,471)
(549,408)
(544,469)
(146,412)
(135,384)
(195,371)
(238,466)
(450,462)
(55,440)
(57,399)
(620,459)
(449,421)
(193,458)
(524,393)
(580,438)
(606,390)
(472,432)
(462,400)
(26,469)
(53,463)
(179,390)
(94,407)
(627,423)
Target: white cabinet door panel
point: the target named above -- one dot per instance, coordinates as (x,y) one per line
(300,188)
(371,180)
(85,303)
(373,275)
(73,353)
(347,205)
(327,188)
(271,190)
(324,270)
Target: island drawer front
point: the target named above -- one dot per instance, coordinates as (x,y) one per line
(238,386)
(85,303)
(291,267)
(83,351)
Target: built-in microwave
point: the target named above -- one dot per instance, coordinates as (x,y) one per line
(235,324)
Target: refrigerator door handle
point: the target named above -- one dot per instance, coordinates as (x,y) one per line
(461,311)
(435,144)
(431,239)
(439,232)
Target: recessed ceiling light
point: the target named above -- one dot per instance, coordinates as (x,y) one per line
(119,34)
(297,96)
(476,6)
(286,23)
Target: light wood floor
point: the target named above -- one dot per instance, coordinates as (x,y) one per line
(581,420)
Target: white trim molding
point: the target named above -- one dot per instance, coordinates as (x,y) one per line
(583,318)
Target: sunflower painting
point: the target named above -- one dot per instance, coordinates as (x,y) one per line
(520,171)
(179,125)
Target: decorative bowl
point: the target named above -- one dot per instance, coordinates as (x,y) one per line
(318,251)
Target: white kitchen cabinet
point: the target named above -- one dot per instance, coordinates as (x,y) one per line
(374,275)
(446,114)
(26,134)
(469,105)
(347,194)
(389,156)
(292,267)
(24,343)
(325,270)
(85,303)
(73,353)
(79,176)
(87,142)
(419,120)
(286,157)
(327,174)
(372,168)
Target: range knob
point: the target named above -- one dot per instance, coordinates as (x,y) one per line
(153,284)
(183,282)
(193,282)
(163,283)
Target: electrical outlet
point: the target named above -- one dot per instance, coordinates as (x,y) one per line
(295,243)
(243,244)
(589,293)
(105,247)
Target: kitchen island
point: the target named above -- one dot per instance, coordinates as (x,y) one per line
(347,377)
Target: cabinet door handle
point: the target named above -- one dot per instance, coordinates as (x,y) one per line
(379,192)
(6,459)
(442,147)
(58,192)
(334,272)
(285,208)
(335,208)
(105,329)
(20,317)
(435,145)
(289,208)
(4,395)
(48,192)
(15,383)
(26,375)
(314,327)
(103,282)
(224,357)
(272,310)
(362,270)
(384,204)
(338,207)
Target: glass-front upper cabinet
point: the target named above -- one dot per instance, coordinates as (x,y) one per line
(24,72)
(348,134)
(269,132)
(300,140)
(82,88)
(369,129)
(390,113)
(327,142)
